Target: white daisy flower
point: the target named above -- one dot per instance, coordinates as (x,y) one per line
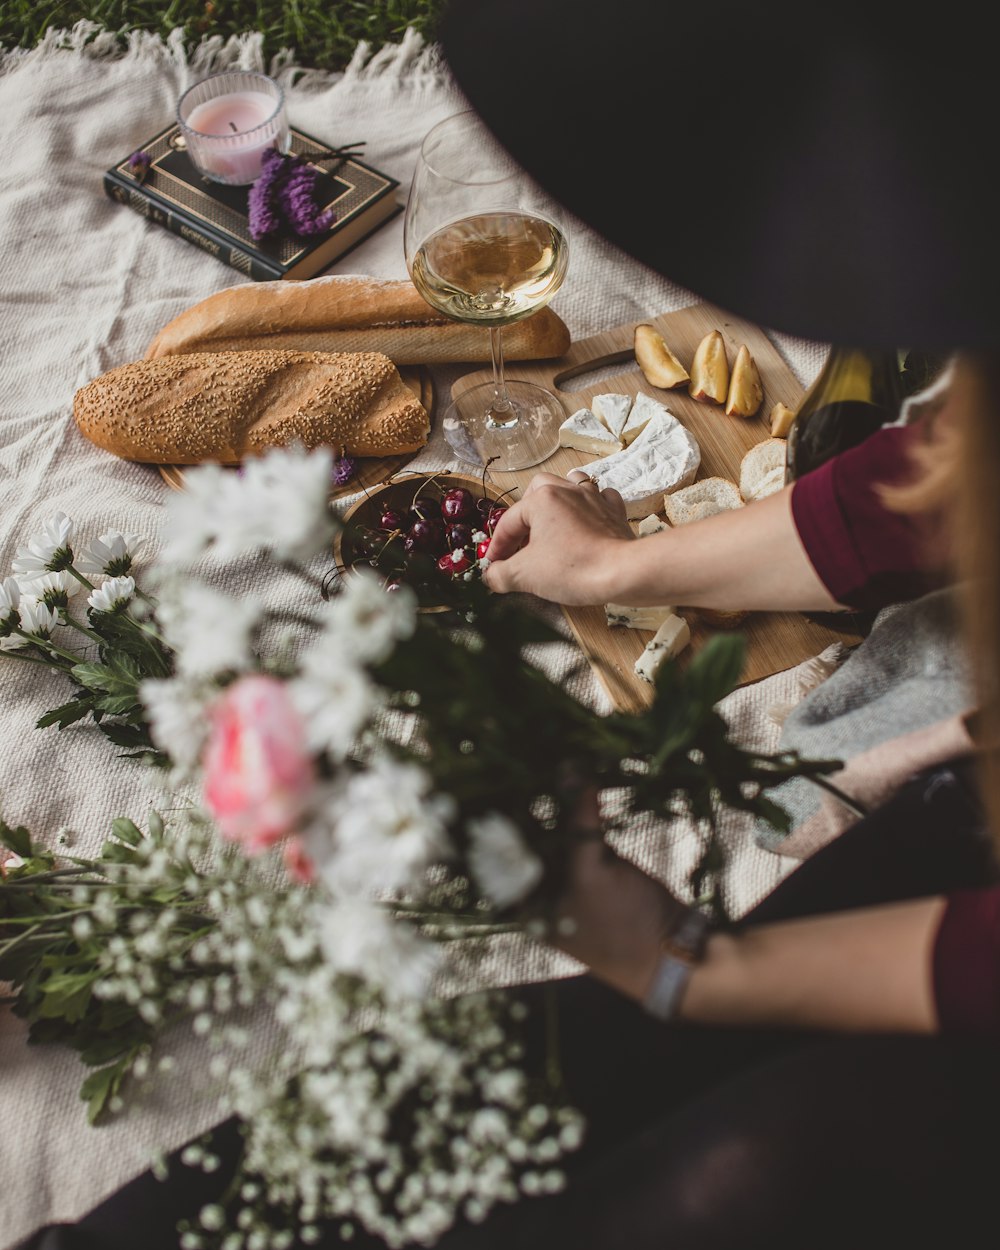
(37,618)
(362,939)
(178,722)
(505,868)
(209,631)
(114,595)
(365,622)
(47,551)
(54,589)
(10,597)
(387,828)
(335,698)
(289,489)
(277,502)
(112,554)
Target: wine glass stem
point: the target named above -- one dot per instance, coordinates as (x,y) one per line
(502,414)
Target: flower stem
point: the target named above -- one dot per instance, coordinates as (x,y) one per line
(80,577)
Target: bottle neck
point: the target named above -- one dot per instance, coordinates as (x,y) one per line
(870,376)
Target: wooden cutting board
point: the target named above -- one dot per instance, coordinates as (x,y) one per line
(605,363)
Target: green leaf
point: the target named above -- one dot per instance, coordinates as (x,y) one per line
(67,714)
(715,670)
(17,840)
(101,1086)
(130,736)
(126,830)
(119,677)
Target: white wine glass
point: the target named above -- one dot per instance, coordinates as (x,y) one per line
(485,246)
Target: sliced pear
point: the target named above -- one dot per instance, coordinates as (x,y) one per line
(660,367)
(746,391)
(710,370)
(781,420)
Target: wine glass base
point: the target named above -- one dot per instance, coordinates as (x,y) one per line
(532,437)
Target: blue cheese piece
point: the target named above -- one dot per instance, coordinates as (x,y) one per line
(649,619)
(669,640)
(613,410)
(643,407)
(651,524)
(584,431)
(663,457)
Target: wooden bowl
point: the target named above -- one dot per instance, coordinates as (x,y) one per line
(399,494)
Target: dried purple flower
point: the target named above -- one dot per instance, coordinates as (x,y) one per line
(344,468)
(263,209)
(297,195)
(138,165)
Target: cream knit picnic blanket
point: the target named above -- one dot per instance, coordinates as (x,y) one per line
(85,285)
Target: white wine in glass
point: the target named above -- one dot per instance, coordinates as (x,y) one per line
(484,246)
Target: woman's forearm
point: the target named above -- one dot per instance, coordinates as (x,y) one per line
(748,557)
(867,970)
(569,544)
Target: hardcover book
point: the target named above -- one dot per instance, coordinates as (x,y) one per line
(213,216)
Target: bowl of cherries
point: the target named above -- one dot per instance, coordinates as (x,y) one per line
(426,531)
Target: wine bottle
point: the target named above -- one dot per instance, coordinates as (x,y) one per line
(856,393)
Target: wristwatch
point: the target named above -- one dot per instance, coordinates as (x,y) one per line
(683,950)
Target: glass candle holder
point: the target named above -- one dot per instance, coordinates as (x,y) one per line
(229,121)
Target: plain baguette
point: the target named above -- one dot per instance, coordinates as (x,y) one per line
(225,406)
(344,313)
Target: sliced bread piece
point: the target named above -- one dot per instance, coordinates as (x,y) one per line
(762,469)
(701,499)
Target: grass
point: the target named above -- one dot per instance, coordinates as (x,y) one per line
(322,34)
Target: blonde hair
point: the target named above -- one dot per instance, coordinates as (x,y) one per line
(958,481)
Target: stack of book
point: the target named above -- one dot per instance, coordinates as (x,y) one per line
(170,192)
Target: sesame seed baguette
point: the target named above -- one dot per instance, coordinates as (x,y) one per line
(345,313)
(225,406)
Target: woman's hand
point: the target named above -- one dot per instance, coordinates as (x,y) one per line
(560,541)
(613,916)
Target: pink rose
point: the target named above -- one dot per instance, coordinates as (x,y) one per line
(298,864)
(258,770)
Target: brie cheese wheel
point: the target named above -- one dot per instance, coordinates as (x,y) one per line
(663,457)
(643,407)
(584,431)
(669,640)
(613,410)
(649,619)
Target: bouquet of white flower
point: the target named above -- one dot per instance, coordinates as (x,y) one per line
(379,792)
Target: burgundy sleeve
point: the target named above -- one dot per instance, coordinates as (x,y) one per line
(865,554)
(966,963)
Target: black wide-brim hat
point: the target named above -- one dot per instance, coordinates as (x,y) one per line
(824,172)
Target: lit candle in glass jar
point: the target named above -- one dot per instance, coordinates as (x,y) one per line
(229,121)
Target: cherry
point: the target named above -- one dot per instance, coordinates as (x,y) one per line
(482,548)
(425,508)
(392,519)
(457,504)
(452,563)
(460,535)
(493,517)
(483,506)
(426,535)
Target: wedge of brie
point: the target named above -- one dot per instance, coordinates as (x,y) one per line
(663,457)
(584,431)
(642,409)
(669,640)
(613,410)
